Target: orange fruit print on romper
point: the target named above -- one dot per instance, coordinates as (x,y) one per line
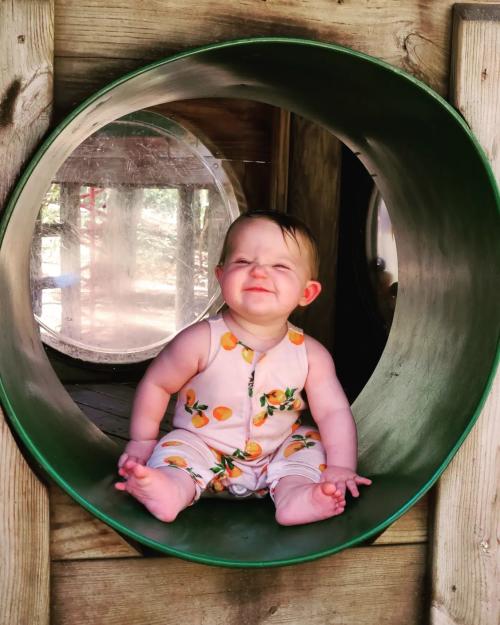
(301,442)
(297,338)
(195,408)
(276,400)
(222,413)
(228,341)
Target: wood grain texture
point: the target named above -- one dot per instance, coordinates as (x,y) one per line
(313,196)
(24,538)
(109,406)
(475,75)
(411,35)
(26,53)
(26,70)
(76,535)
(280,160)
(233,130)
(412,527)
(465,565)
(466,561)
(356,587)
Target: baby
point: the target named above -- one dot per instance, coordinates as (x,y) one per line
(239,376)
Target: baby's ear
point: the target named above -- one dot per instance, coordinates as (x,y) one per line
(218,272)
(311,292)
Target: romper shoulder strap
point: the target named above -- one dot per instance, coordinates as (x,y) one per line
(217,329)
(294,328)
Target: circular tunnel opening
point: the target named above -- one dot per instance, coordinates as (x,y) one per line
(427,388)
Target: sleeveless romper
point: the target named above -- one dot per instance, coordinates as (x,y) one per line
(237,422)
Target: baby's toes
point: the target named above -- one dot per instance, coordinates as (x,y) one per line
(340,497)
(329,488)
(142,473)
(340,504)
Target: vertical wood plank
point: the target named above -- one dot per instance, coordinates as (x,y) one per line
(313,196)
(26,61)
(466,567)
(280,159)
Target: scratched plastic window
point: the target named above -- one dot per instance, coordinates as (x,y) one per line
(382,257)
(126,241)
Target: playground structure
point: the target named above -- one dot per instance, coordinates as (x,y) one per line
(412,609)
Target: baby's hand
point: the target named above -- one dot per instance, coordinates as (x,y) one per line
(344,478)
(138,451)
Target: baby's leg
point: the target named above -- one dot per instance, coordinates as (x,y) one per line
(175,475)
(294,475)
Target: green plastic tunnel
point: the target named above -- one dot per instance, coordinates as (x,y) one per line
(434,374)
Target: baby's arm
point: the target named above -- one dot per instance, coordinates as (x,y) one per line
(332,414)
(179,361)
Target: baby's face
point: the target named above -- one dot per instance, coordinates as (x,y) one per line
(265,275)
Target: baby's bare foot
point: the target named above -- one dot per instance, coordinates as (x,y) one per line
(298,501)
(164,492)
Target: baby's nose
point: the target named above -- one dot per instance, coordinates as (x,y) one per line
(258,270)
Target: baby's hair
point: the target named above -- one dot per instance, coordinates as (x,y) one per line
(290,226)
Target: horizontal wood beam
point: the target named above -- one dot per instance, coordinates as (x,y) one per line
(356,587)
(411,35)
(314,196)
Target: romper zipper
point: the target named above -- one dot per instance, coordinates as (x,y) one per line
(250,388)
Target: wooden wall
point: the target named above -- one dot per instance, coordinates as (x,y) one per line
(26,70)
(94,571)
(96,576)
(95,43)
(466,551)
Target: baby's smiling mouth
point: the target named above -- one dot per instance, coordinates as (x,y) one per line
(258,289)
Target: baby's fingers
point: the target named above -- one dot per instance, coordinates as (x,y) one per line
(362,480)
(352,484)
(353,489)
(122,460)
(131,462)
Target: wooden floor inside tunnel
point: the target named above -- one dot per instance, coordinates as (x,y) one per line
(109,406)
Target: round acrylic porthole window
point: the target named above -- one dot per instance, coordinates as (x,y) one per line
(126,241)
